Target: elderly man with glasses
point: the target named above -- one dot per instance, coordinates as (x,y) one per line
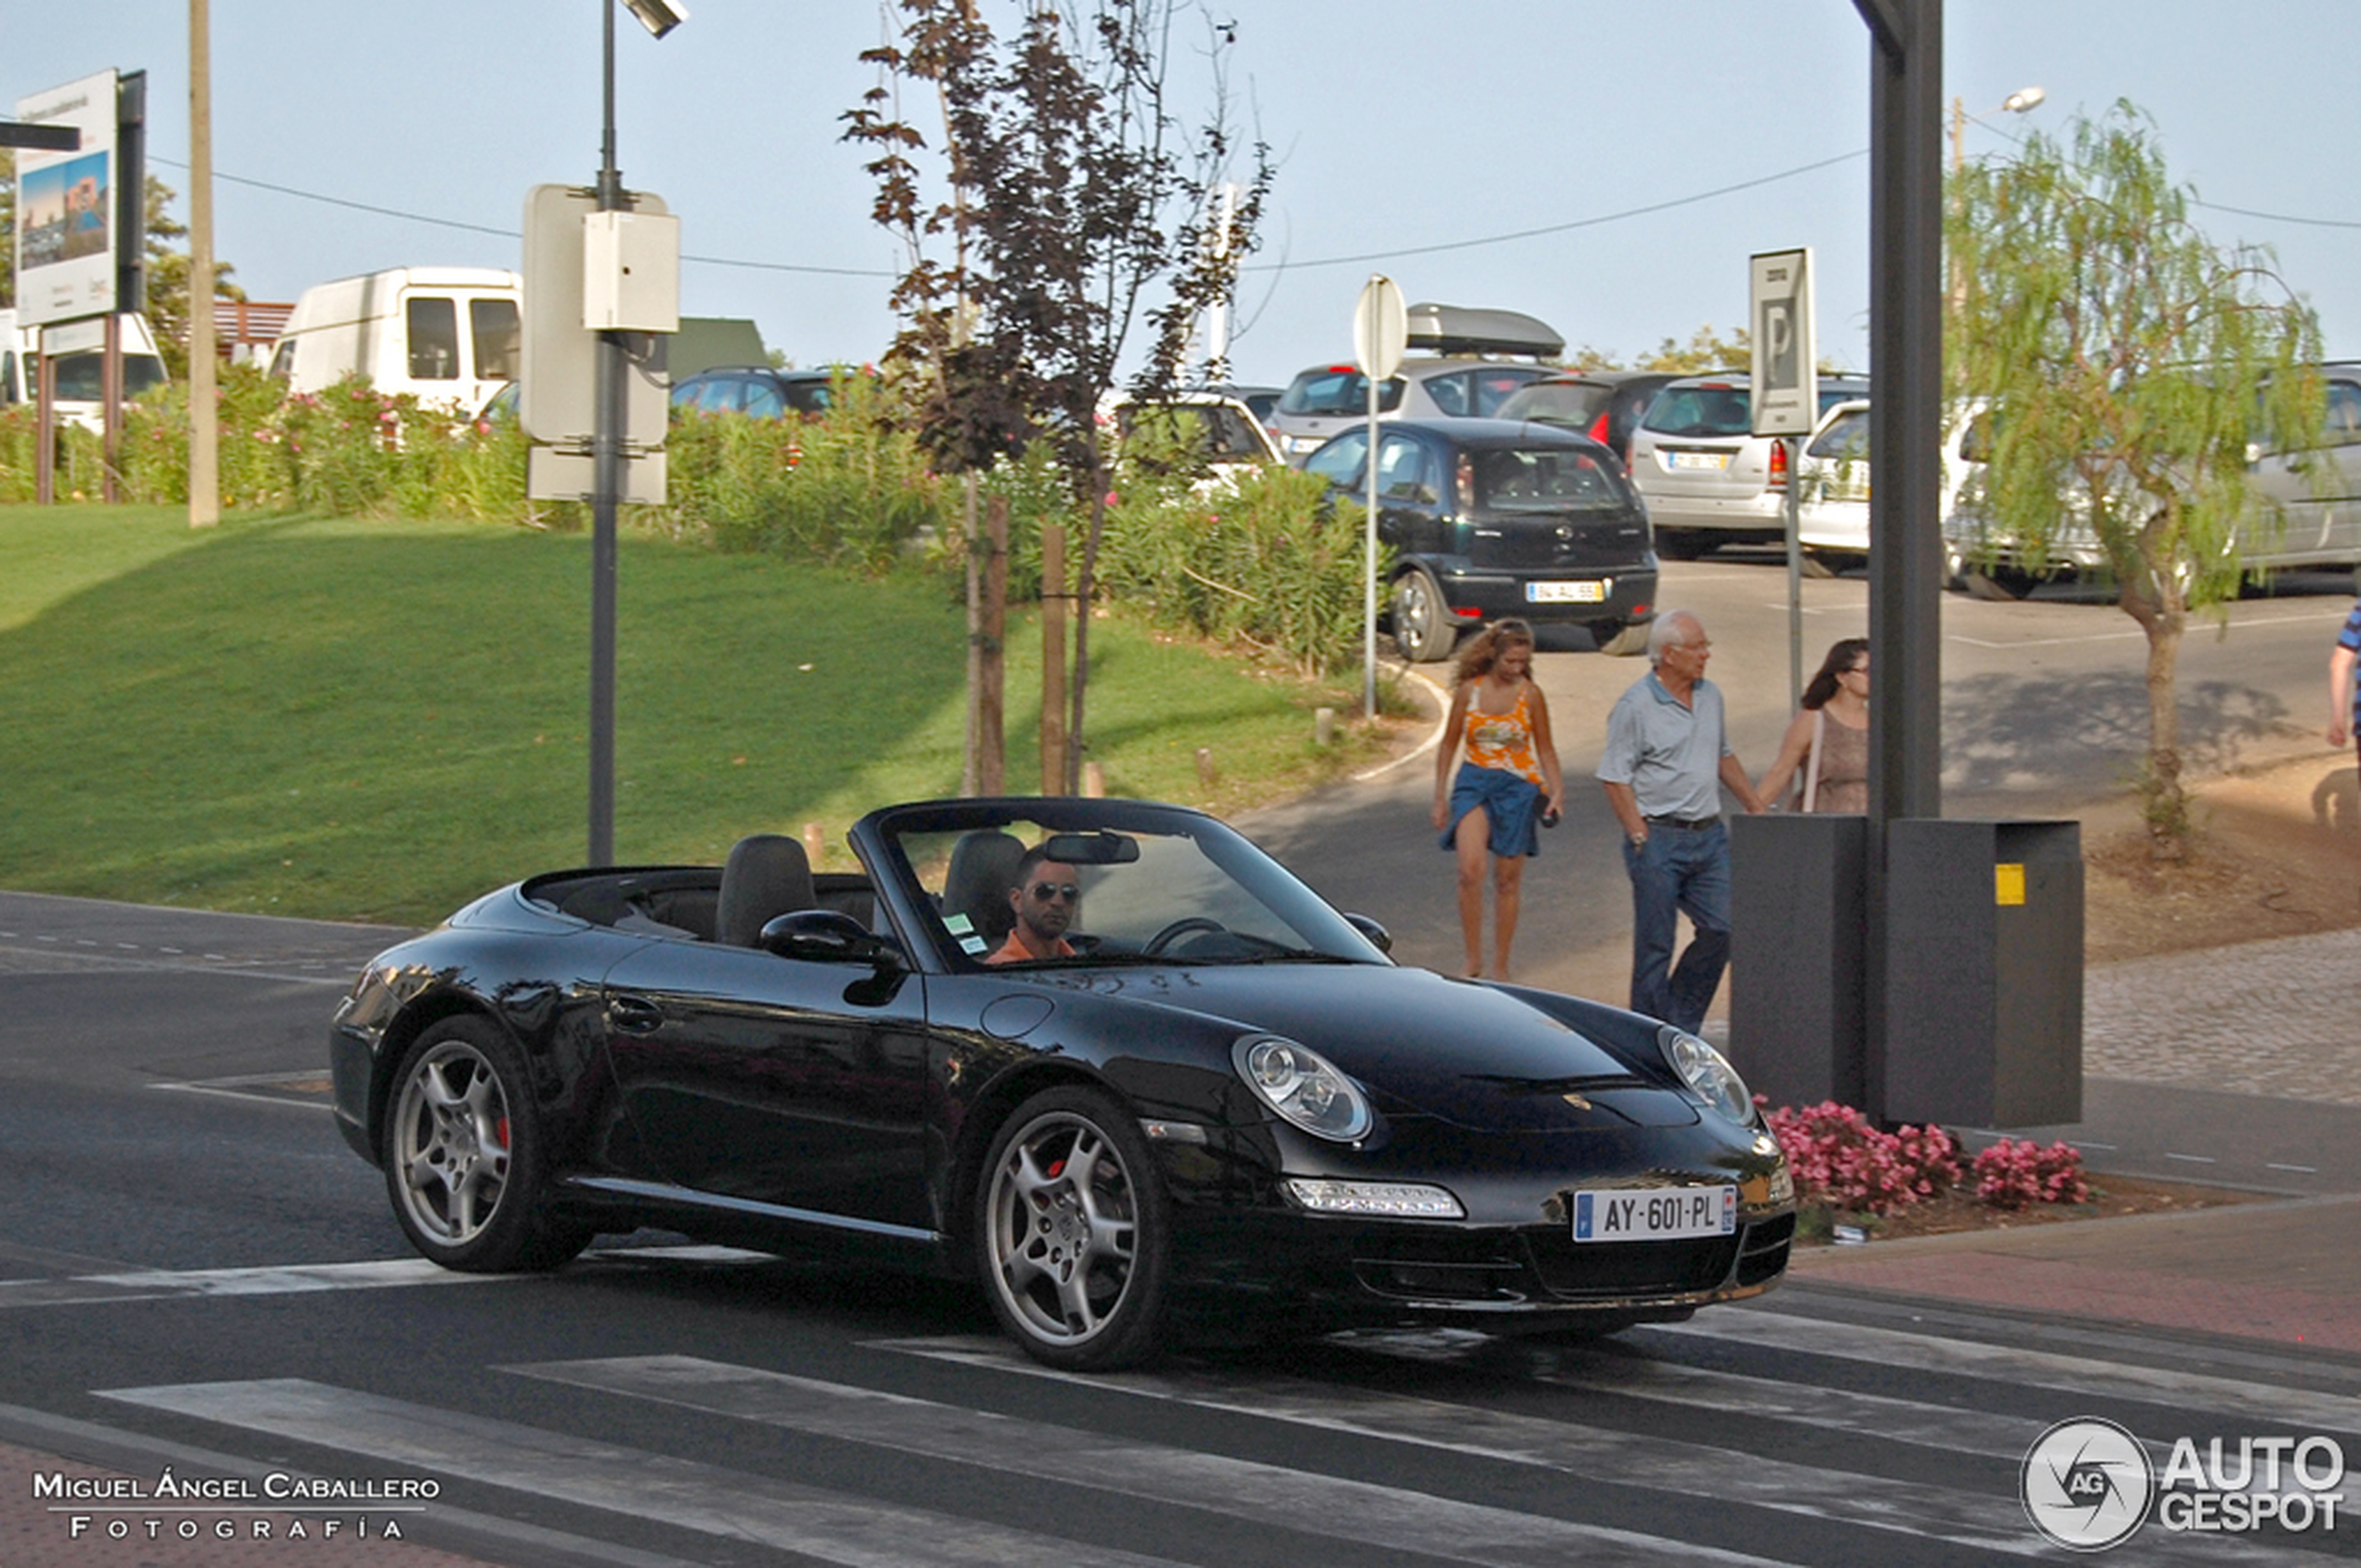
(1667,758)
(1044,896)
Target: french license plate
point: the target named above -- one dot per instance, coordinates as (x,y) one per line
(1655,1214)
(1588,591)
(1708,462)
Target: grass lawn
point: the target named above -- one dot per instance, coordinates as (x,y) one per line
(376,720)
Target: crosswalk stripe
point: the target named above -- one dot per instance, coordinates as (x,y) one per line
(149,1285)
(1273,1495)
(1633,1459)
(1659,1381)
(708,1499)
(2275,1404)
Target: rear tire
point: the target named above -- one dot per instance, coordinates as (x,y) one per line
(1423,628)
(1682,544)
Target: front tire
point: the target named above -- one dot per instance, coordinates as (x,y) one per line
(465,1156)
(1621,642)
(1071,1232)
(1423,628)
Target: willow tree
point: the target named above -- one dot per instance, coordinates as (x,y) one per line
(1075,211)
(2129,365)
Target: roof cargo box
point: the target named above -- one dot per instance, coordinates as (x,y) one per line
(1455,329)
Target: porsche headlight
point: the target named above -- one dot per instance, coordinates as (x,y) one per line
(1708,1073)
(1302,1086)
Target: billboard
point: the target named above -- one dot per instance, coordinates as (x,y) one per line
(68,232)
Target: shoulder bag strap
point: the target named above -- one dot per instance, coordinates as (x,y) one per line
(1812,775)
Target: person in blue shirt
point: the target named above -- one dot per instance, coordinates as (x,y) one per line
(1666,760)
(2345,703)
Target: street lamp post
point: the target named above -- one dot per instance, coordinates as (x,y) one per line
(659,16)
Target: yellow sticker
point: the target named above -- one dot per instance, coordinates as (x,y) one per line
(2008,884)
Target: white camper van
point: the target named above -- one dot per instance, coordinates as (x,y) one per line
(448,334)
(77,350)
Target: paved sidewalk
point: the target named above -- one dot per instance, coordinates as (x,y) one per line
(2250,1053)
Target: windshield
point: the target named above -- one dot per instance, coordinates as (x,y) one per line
(1337,390)
(1546,480)
(1560,403)
(1167,887)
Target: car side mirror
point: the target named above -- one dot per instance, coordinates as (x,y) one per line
(826,936)
(1379,936)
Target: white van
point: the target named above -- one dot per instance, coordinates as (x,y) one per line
(78,352)
(448,334)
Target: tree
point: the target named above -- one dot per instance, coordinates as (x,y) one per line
(2128,362)
(1705,350)
(1070,208)
(167,282)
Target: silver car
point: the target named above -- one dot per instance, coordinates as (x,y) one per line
(2308,513)
(1707,478)
(1463,381)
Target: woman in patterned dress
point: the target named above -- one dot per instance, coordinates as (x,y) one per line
(1829,738)
(1507,783)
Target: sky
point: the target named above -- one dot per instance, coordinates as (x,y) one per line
(1658,142)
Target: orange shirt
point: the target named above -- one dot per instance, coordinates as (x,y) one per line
(1015,952)
(1503,739)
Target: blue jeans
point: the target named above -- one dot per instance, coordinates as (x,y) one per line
(1679,872)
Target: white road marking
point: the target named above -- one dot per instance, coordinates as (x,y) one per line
(709,1499)
(1271,1495)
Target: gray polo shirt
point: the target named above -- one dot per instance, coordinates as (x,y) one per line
(1669,754)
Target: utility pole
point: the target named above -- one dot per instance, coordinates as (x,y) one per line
(204,415)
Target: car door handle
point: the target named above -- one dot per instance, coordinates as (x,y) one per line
(634,1015)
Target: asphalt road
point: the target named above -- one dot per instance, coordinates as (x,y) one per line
(198,1280)
(2045,710)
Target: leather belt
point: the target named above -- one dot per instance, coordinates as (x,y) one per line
(1689,824)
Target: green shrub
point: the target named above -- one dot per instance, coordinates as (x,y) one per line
(1267,563)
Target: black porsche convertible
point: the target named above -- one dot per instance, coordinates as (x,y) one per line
(1198,1089)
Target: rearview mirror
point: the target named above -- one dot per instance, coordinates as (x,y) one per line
(1101,847)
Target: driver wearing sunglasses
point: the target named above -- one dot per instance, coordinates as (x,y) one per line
(1046,897)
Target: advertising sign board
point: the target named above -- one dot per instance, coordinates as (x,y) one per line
(67,230)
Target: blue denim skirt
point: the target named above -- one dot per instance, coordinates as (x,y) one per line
(1512,802)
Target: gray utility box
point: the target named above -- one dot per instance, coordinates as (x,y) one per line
(1799,924)
(1982,959)
(1983,972)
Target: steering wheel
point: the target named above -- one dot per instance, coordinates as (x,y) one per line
(1180,928)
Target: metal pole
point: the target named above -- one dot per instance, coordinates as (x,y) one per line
(1369,562)
(607,464)
(204,427)
(1906,420)
(1793,508)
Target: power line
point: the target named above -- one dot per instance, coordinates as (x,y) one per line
(1567,227)
(508,233)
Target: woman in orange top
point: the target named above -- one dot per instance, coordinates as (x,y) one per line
(1509,782)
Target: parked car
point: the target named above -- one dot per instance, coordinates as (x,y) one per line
(1218,431)
(1489,518)
(1462,382)
(1606,405)
(1832,485)
(755,390)
(1263,402)
(2308,512)
(1226,1098)
(1709,479)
